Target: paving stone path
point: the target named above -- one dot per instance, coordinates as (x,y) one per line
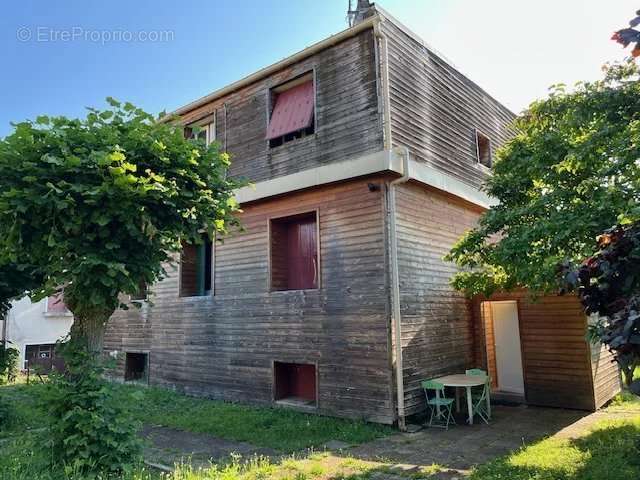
(458,449)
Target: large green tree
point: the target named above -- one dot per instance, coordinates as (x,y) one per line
(571,172)
(98,205)
(570,175)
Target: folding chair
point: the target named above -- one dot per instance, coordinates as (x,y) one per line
(479,395)
(441,407)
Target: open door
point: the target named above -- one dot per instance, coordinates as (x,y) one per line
(507,347)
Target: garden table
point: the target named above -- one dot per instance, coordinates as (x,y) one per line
(462,380)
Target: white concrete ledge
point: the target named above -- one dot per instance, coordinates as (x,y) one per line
(379,162)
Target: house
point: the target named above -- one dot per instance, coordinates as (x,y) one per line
(367,152)
(33,328)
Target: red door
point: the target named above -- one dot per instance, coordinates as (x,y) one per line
(303,254)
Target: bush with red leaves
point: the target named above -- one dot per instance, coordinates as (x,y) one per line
(629,35)
(608,284)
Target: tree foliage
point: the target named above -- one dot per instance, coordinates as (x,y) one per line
(630,35)
(570,172)
(16,279)
(608,284)
(99,204)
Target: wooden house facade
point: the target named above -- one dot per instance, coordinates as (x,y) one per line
(367,151)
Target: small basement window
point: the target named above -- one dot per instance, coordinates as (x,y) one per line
(294,252)
(483,149)
(136,367)
(295,383)
(196,269)
(293,112)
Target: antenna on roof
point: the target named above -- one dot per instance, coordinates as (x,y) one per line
(361,11)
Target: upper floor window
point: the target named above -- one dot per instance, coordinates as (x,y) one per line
(196,268)
(483,149)
(294,252)
(201,131)
(293,112)
(56,305)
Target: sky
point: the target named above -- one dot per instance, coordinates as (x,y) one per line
(60,57)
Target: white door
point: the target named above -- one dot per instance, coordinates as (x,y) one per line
(507,342)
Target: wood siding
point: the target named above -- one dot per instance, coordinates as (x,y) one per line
(437,330)
(346,116)
(607,381)
(435,110)
(223,346)
(556,357)
(490,342)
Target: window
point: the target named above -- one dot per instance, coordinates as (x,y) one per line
(42,358)
(483,149)
(136,367)
(294,252)
(295,383)
(56,305)
(196,269)
(293,111)
(205,132)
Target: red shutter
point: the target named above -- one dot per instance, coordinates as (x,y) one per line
(303,255)
(293,111)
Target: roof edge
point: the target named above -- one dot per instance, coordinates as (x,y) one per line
(385,15)
(266,71)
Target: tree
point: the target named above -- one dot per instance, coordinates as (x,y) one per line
(99,205)
(570,172)
(608,284)
(15,282)
(627,36)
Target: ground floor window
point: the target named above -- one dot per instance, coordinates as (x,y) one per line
(294,252)
(42,357)
(136,367)
(196,269)
(295,383)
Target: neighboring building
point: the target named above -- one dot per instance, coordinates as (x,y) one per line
(34,328)
(367,151)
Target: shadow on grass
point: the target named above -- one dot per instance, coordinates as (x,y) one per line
(611,452)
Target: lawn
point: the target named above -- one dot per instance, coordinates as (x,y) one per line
(283,430)
(611,450)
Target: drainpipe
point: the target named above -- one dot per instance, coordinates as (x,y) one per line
(395,284)
(384,75)
(393,238)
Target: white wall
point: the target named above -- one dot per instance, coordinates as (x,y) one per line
(29,323)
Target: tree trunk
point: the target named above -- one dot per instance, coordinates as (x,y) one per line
(90,328)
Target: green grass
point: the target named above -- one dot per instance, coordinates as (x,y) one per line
(624,402)
(610,451)
(276,428)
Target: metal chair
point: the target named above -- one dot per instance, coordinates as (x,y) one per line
(440,406)
(479,395)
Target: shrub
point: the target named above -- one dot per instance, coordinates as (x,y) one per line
(8,362)
(91,433)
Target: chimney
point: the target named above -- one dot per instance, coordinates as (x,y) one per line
(363,10)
